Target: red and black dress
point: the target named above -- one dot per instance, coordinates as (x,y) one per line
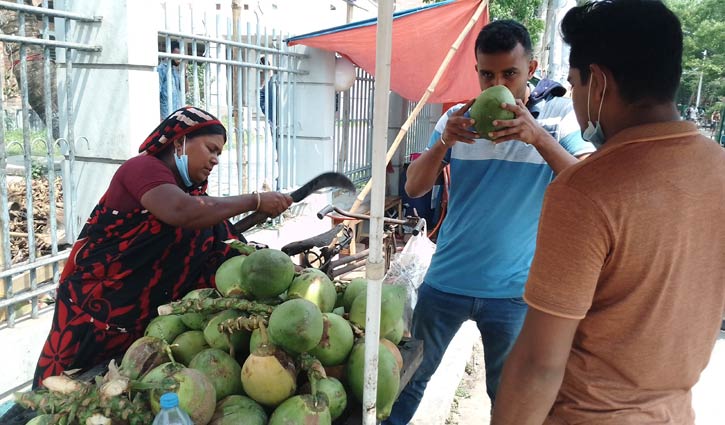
(125,264)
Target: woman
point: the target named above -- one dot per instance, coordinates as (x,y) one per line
(153,237)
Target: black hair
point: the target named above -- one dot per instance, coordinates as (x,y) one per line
(213,129)
(503,36)
(639,41)
(175,45)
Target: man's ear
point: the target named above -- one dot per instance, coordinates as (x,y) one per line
(533,64)
(476,68)
(601,79)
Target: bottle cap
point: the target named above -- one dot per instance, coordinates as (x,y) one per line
(169,401)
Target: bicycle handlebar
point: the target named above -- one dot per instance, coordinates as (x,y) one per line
(417,227)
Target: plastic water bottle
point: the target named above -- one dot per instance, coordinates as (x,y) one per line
(171,413)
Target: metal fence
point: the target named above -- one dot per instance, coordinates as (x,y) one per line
(353,128)
(241,72)
(246,76)
(35,194)
(416,140)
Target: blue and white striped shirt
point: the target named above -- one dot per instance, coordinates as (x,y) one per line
(487,240)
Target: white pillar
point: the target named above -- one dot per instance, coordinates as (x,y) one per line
(314,103)
(114,93)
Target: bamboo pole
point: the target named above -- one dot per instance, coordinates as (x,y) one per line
(429,91)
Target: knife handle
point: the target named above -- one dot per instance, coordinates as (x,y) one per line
(248,222)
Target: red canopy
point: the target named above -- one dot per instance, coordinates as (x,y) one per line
(421,39)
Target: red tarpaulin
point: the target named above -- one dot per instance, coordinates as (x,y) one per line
(421,39)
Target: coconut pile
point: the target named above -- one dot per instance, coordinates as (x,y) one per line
(269,345)
(17,204)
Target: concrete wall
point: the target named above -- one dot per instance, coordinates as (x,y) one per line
(114,93)
(314,103)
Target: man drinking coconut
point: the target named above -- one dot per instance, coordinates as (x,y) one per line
(498,179)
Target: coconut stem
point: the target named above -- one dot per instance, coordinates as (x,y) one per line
(264,338)
(359,333)
(214,305)
(240,246)
(78,407)
(242,323)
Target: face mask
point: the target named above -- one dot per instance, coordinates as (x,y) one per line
(182,165)
(593,132)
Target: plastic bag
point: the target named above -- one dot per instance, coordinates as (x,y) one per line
(409,267)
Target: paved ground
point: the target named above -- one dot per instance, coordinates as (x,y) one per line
(471,405)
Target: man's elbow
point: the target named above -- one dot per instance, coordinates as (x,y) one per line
(413,190)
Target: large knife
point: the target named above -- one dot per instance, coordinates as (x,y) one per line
(323,181)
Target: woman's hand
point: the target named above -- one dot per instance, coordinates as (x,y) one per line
(273,204)
(523,127)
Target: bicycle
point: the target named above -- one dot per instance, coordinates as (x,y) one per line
(326,250)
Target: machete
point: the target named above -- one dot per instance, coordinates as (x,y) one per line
(323,181)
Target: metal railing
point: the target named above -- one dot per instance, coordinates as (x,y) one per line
(353,135)
(418,136)
(246,76)
(28,159)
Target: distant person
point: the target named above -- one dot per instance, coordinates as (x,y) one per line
(175,74)
(627,287)
(714,121)
(692,114)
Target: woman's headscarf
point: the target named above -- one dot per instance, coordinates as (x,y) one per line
(180,123)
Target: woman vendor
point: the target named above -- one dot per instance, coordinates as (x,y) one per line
(154,236)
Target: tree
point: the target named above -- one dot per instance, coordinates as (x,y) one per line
(524,11)
(703,25)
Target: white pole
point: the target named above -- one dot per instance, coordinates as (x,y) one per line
(699,90)
(375,268)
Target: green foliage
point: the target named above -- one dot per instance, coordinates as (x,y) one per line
(703,24)
(524,11)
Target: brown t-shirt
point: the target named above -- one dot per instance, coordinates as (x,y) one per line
(632,242)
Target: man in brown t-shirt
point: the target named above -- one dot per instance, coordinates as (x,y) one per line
(627,285)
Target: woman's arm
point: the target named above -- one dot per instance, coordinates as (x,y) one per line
(175,207)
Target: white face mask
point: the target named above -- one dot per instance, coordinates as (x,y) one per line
(593,132)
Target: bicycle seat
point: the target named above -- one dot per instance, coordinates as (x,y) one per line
(319,241)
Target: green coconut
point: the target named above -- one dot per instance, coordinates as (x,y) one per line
(296,326)
(333,389)
(228,278)
(303,409)
(195,321)
(166,328)
(351,292)
(216,339)
(314,285)
(487,108)
(238,410)
(395,335)
(143,355)
(187,345)
(197,395)
(267,273)
(222,370)
(336,342)
(388,377)
(392,303)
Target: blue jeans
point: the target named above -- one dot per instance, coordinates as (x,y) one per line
(436,319)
